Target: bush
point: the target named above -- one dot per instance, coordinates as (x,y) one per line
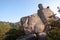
(54,33)
(4,27)
(13,34)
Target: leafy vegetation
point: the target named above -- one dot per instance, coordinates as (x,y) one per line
(11,31)
(4,27)
(54,32)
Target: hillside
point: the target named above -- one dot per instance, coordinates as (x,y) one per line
(9,30)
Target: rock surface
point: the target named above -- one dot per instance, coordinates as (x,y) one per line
(37,22)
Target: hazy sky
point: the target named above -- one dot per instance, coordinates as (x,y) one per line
(13,10)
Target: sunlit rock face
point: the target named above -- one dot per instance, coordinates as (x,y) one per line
(36,22)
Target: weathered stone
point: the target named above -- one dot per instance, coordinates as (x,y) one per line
(38,21)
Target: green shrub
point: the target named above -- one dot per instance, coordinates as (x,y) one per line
(4,27)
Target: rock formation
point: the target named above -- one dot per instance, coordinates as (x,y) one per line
(37,23)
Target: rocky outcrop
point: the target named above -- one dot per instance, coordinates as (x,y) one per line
(37,22)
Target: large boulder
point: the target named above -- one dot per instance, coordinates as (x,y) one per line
(37,22)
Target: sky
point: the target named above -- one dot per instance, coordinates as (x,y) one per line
(13,10)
